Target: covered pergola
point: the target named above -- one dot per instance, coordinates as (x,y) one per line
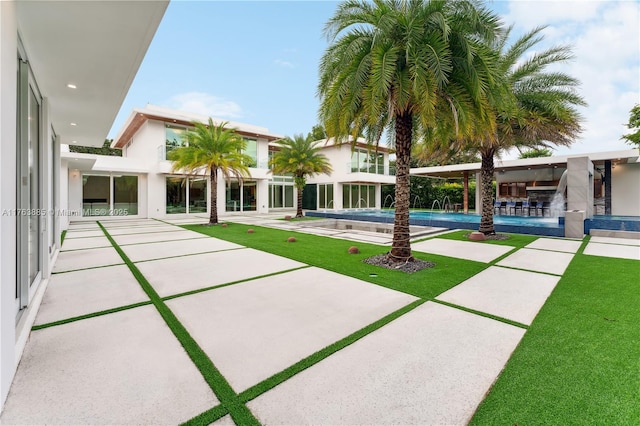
(532,169)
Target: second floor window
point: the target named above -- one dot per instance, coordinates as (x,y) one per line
(251,149)
(364,161)
(173,137)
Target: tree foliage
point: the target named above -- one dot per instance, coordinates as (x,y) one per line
(633,138)
(105,149)
(536,153)
(301,157)
(405,66)
(212,149)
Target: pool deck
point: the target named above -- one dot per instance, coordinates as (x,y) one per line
(104,352)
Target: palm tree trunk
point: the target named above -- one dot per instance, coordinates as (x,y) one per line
(486,178)
(299,210)
(213,214)
(401,246)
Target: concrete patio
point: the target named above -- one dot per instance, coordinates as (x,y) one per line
(118,362)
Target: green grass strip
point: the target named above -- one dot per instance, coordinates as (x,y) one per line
(482,314)
(91,315)
(578,363)
(64,234)
(216,381)
(316,357)
(208,417)
(200,290)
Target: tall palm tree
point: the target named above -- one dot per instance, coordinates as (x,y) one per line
(212,149)
(300,157)
(537,111)
(405,65)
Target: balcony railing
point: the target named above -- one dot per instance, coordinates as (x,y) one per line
(373,168)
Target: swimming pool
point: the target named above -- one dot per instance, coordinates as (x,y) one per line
(549,226)
(534,225)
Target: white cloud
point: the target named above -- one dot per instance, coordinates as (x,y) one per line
(205,104)
(605,36)
(283,63)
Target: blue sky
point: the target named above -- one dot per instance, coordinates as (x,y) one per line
(257,61)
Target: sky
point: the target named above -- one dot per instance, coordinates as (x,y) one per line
(256,62)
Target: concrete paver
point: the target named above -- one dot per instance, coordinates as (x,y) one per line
(180,274)
(139,252)
(613,240)
(261,327)
(81,233)
(462,249)
(85,243)
(129,223)
(508,293)
(538,261)
(613,250)
(153,237)
(89,258)
(555,244)
(143,229)
(83,292)
(431,366)
(122,368)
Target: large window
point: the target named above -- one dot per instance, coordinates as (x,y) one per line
(325,196)
(251,149)
(176,197)
(197,195)
(125,195)
(358,196)
(104,195)
(365,161)
(241,197)
(280,196)
(173,137)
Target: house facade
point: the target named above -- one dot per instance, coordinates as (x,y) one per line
(60,84)
(142,183)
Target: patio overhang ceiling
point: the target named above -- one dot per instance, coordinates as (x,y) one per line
(96,46)
(456,171)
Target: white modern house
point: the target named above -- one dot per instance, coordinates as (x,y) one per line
(359,171)
(64,73)
(142,183)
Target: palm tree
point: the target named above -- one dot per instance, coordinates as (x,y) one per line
(300,157)
(537,111)
(212,149)
(404,66)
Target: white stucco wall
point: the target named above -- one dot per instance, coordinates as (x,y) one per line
(8,83)
(625,190)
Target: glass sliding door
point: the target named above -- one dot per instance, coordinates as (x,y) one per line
(34,185)
(96,195)
(197,195)
(29,179)
(176,198)
(249,196)
(125,195)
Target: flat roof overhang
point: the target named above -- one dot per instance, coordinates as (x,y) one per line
(97,46)
(457,170)
(139,116)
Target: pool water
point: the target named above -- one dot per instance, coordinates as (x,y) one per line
(552,222)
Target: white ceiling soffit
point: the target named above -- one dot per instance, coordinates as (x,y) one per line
(97,46)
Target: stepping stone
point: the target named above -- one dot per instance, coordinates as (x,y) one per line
(479,252)
(538,261)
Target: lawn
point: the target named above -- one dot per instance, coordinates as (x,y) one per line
(331,254)
(578,363)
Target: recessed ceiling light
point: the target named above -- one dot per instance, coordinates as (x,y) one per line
(72,86)
(73,124)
